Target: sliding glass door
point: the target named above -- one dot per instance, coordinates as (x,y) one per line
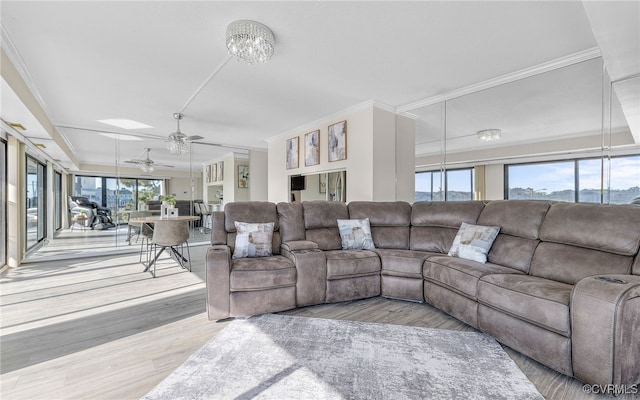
(36,202)
(3,202)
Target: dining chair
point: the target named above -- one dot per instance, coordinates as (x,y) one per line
(171,235)
(205,217)
(135,228)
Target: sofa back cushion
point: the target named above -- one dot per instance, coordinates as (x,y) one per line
(390,222)
(291,220)
(519,222)
(434,225)
(579,240)
(253,212)
(321,222)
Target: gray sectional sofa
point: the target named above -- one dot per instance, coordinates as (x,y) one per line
(561,283)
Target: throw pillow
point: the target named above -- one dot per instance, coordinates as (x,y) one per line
(355,234)
(473,242)
(253,240)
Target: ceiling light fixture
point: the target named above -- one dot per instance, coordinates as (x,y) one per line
(250,41)
(489,135)
(146,167)
(177,143)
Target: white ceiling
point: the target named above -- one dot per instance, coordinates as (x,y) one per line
(93,60)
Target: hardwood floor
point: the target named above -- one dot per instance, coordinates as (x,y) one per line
(100,328)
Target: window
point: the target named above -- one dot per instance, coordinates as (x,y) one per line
(580,180)
(3,202)
(458,185)
(35,204)
(117,194)
(57,198)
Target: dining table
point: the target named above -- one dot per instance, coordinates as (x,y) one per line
(150,221)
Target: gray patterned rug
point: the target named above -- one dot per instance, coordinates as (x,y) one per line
(283,357)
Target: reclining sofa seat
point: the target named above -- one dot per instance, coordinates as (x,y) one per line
(401,264)
(351,274)
(246,286)
(562,313)
(450,283)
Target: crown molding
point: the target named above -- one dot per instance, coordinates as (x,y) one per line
(561,62)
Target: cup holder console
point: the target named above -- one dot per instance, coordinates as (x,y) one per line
(611,279)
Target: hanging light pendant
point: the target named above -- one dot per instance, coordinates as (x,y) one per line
(177,140)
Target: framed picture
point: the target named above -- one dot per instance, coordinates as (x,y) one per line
(312,148)
(214,172)
(221,170)
(292,152)
(243,176)
(338,141)
(208,173)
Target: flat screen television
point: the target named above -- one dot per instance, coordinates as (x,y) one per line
(298,182)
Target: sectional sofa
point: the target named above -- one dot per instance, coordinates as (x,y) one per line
(561,283)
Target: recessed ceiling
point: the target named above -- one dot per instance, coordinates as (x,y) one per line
(142,61)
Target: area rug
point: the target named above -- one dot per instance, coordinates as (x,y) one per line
(284,357)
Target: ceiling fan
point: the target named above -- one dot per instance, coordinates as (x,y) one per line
(177,142)
(146,164)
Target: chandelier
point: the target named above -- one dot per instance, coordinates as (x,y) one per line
(177,141)
(250,41)
(489,135)
(146,167)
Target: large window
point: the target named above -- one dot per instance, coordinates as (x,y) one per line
(457,185)
(117,194)
(3,202)
(57,199)
(580,180)
(35,204)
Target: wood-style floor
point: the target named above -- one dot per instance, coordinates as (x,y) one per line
(100,328)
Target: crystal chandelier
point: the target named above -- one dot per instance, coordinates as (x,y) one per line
(177,143)
(250,41)
(489,135)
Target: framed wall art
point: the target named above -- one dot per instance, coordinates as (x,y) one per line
(243,176)
(293,146)
(338,141)
(312,148)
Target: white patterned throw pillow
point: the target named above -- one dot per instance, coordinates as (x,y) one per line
(253,240)
(355,234)
(473,242)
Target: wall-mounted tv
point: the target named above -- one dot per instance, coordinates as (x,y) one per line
(298,183)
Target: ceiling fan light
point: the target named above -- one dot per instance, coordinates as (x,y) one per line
(177,146)
(146,168)
(489,135)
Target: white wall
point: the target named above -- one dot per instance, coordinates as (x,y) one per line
(258,175)
(373,154)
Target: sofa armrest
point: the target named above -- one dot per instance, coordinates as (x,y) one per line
(605,316)
(311,271)
(294,245)
(217,276)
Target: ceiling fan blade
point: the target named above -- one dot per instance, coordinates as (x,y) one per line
(164,165)
(194,137)
(133,161)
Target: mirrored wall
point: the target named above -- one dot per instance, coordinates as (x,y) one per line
(557,135)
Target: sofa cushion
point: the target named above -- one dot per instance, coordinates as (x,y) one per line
(349,263)
(390,221)
(569,264)
(610,228)
(291,220)
(459,274)
(253,240)
(355,234)
(540,301)
(321,223)
(250,211)
(262,273)
(434,224)
(472,242)
(520,218)
(403,263)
